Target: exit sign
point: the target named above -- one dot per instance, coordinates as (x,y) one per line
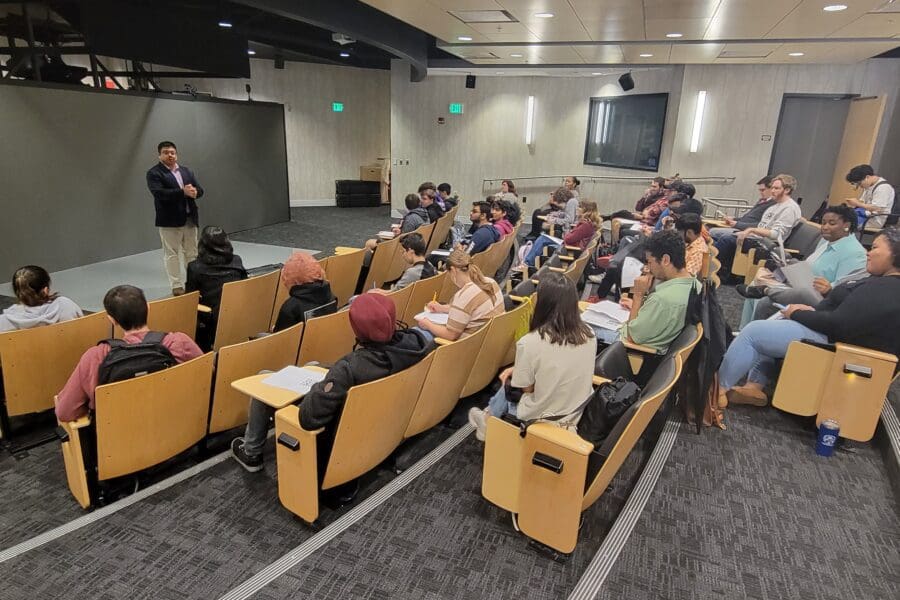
(456,108)
(337,107)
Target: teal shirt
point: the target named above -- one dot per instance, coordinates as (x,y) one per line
(836,260)
(661,317)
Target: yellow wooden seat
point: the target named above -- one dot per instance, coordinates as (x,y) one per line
(382,261)
(496,350)
(423,292)
(441,230)
(36,363)
(271,352)
(139,423)
(327,338)
(551,475)
(447,290)
(395,271)
(342,272)
(445,380)
(246,308)
(400,298)
(848,384)
(178,313)
(371,426)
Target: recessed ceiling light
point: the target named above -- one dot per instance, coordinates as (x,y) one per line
(515,56)
(795,54)
(225,24)
(674,35)
(464,38)
(499,72)
(345,55)
(251,52)
(544,15)
(646,55)
(835,8)
(596,73)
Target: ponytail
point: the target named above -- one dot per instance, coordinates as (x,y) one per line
(29,283)
(460,259)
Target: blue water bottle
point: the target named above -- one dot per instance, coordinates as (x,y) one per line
(828,435)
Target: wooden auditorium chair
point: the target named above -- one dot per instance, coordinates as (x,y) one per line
(136,424)
(497,351)
(326,338)
(342,272)
(835,381)
(382,262)
(246,308)
(423,292)
(178,313)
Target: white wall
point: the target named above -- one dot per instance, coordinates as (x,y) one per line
(487,141)
(322,145)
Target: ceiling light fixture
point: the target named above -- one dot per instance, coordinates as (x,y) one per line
(464,38)
(674,35)
(698,120)
(795,54)
(515,56)
(225,24)
(596,73)
(835,8)
(499,72)
(529,121)
(646,56)
(544,15)
(345,55)
(251,52)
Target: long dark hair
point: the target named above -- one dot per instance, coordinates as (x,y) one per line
(214,247)
(28,284)
(556,316)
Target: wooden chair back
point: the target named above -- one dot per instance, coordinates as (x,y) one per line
(423,292)
(448,289)
(281,294)
(494,350)
(441,230)
(178,313)
(342,272)
(246,309)
(400,298)
(382,262)
(143,421)
(399,265)
(326,339)
(272,352)
(803,375)
(444,382)
(372,423)
(576,270)
(36,363)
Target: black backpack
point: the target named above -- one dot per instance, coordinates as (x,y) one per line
(126,361)
(604,408)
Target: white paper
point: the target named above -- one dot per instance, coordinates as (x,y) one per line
(631,270)
(800,276)
(436,318)
(441,252)
(296,379)
(600,320)
(386,235)
(610,309)
(555,240)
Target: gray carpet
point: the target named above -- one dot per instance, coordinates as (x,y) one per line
(322,228)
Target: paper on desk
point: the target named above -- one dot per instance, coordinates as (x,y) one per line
(386,235)
(610,309)
(631,270)
(434,317)
(800,276)
(555,240)
(441,252)
(296,379)
(601,320)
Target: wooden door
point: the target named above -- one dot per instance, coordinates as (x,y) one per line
(857,145)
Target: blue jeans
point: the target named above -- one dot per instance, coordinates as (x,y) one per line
(727,247)
(499,406)
(537,249)
(754,351)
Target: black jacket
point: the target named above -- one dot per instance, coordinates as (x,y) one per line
(434,211)
(323,404)
(172,206)
(209,273)
(304,297)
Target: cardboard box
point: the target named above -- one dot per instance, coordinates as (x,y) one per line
(370,173)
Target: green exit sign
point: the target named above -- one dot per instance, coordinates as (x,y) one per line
(337,107)
(456,108)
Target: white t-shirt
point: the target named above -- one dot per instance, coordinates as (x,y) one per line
(561,376)
(881,196)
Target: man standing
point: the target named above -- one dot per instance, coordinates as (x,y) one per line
(175,191)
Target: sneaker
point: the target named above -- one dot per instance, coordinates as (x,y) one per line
(596,278)
(478,420)
(253,464)
(754,292)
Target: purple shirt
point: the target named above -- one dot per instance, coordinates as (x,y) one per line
(176,172)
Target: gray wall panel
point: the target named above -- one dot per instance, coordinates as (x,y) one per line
(73,165)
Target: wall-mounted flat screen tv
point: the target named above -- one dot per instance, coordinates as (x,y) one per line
(626,131)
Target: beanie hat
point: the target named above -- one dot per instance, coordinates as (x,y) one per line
(301,268)
(373,317)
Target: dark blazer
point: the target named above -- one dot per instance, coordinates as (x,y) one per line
(172,206)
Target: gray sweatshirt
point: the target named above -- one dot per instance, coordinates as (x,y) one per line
(19,316)
(780,218)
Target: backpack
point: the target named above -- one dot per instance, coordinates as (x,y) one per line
(126,361)
(604,408)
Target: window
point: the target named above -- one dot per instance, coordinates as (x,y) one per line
(626,131)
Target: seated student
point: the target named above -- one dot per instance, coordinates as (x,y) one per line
(683,197)
(776,223)
(482,231)
(414,247)
(499,217)
(653,193)
(415,216)
(690,227)
(863,313)
(658,320)
(507,191)
(444,192)
(126,307)
(477,300)
(555,206)
(37,305)
(381,350)
(751,217)
(554,363)
(427,201)
(876,199)
(587,224)
(304,278)
(837,256)
(216,264)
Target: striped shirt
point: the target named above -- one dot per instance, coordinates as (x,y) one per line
(471,308)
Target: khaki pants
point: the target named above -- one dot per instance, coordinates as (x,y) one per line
(178,242)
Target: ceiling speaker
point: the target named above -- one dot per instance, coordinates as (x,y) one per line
(470,82)
(627,82)
(279,61)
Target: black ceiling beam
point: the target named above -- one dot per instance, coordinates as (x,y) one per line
(359,21)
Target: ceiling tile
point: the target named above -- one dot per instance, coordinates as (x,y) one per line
(737,28)
(608,9)
(809,20)
(579,35)
(456,4)
(614,31)
(755,8)
(872,25)
(680,9)
(695,53)
(500,29)
(507,38)
(608,54)
(760,51)
(691,29)
(660,53)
